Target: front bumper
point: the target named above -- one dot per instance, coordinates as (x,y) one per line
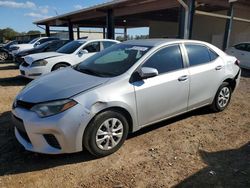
(32,72)
(66,129)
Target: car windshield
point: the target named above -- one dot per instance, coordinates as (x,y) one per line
(70,47)
(113,61)
(33,41)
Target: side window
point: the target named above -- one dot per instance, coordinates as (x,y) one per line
(197,54)
(107,44)
(92,47)
(213,55)
(242,47)
(166,60)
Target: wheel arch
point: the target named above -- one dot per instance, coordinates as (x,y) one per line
(118,109)
(231,82)
(63,62)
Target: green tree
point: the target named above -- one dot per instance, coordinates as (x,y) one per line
(8,33)
(33,32)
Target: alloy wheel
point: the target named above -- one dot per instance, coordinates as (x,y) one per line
(109,134)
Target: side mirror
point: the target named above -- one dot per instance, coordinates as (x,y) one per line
(37,44)
(81,52)
(147,72)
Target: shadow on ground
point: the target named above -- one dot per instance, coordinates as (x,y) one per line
(229,168)
(9,67)
(14,159)
(14,81)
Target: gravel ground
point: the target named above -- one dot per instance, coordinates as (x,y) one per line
(198,149)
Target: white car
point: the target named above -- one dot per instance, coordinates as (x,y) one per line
(70,54)
(14,49)
(242,52)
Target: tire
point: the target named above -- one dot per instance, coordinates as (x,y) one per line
(59,66)
(100,141)
(222,97)
(4,56)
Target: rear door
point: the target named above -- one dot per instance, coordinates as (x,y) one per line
(206,70)
(166,94)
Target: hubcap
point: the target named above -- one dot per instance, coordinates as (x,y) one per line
(223,97)
(109,134)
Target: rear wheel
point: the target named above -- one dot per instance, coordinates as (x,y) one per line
(59,66)
(106,133)
(222,98)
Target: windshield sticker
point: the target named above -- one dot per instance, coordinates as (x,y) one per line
(139,48)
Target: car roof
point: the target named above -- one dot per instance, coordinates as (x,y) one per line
(87,40)
(151,42)
(160,41)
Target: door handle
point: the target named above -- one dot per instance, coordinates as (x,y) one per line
(218,67)
(183,78)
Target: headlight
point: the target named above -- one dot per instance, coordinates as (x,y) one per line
(52,108)
(38,63)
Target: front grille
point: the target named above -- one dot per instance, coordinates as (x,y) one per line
(20,128)
(24,64)
(25,105)
(52,141)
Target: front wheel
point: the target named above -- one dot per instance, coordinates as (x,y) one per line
(106,133)
(222,98)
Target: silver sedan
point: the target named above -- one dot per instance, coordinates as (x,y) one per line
(121,90)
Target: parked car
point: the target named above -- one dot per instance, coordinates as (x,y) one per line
(70,54)
(122,89)
(242,52)
(4,50)
(50,46)
(14,49)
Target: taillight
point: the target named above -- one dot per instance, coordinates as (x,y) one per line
(237,62)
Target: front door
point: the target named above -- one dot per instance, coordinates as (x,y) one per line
(166,94)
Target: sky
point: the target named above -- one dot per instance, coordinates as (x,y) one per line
(19,14)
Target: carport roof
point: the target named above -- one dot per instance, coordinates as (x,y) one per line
(131,13)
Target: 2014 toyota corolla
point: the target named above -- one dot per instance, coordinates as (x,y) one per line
(120,90)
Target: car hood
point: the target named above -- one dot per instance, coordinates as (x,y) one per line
(60,84)
(34,57)
(22,46)
(27,52)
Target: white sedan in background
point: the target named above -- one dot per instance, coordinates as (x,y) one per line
(242,52)
(70,54)
(16,48)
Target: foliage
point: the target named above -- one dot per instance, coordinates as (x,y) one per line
(10,34)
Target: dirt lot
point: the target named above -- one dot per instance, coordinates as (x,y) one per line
(199,149)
